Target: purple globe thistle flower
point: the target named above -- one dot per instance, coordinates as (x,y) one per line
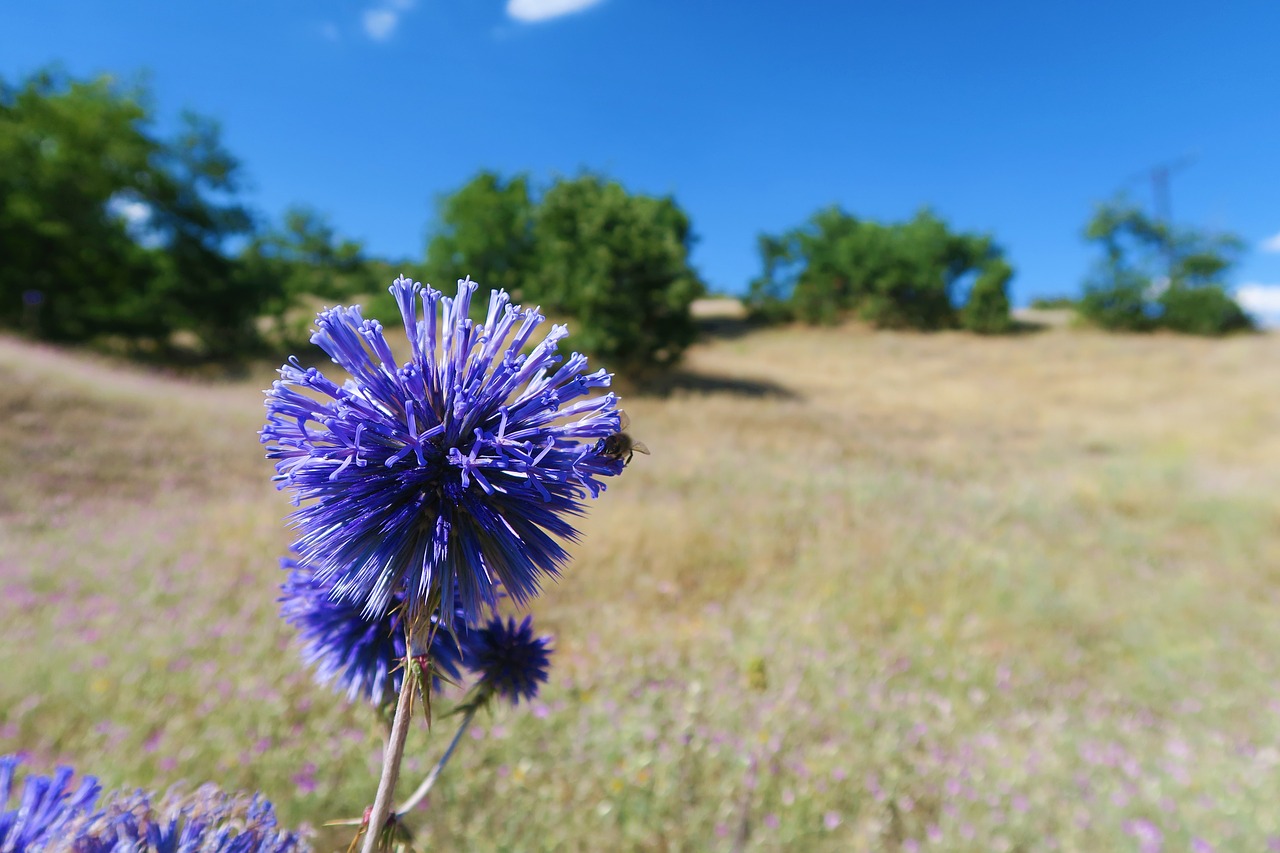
(205,821)
(510,661)
(363,658)
(52,818)
(47,808)
(451,474)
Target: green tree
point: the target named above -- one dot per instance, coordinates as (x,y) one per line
(72,152)
(987,309)
(1118,299)
(895,276)
(618,264)
(615,263)
(1154,276)
(109,231)
(1202,310)
(190,193)
(484,230)
(915,285)
(303,261)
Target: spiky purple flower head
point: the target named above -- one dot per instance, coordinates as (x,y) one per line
(359,656)
(453,473)
(207,820)
(510,661)
(52,817)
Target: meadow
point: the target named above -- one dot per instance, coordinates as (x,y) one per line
(871,591)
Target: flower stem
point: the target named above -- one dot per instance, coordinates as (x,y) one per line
(425,788)
(391,763)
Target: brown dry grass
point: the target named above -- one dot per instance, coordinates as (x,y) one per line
(1099,515)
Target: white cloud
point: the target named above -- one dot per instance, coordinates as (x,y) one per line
(531,11)
(380,21)
(1262,301)
(1271,244)
(379,24)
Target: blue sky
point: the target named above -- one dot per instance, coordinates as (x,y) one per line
(1007,117)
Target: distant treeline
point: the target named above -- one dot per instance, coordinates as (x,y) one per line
(921,275)
(110,233)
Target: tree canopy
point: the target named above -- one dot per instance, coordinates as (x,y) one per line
(905,275)
(299,262)
(77,160)
(1152,275)
(586,249)
(108,230)
(484,229)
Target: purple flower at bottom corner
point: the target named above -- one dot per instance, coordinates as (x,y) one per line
(208,820)
(46,809)
(51,817)
(509,660)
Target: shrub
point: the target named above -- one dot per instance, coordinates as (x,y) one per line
(484,230)
(1206,310)
(987,309)
(618,263)
(1125,294)
(1118,303)
(894,276)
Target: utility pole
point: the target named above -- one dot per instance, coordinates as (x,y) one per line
(1163,201)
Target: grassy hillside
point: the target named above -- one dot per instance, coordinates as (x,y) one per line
(870,592)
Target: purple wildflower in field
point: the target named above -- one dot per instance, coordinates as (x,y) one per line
(52,818)
(452,474)
(362,657)
(1150,838)
(510,661)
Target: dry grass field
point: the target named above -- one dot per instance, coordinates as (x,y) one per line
(871,591)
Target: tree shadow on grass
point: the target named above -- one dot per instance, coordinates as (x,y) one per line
(688,382)
(1021,328)
(726,328)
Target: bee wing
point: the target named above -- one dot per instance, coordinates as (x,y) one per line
(638,447)
(624,421)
